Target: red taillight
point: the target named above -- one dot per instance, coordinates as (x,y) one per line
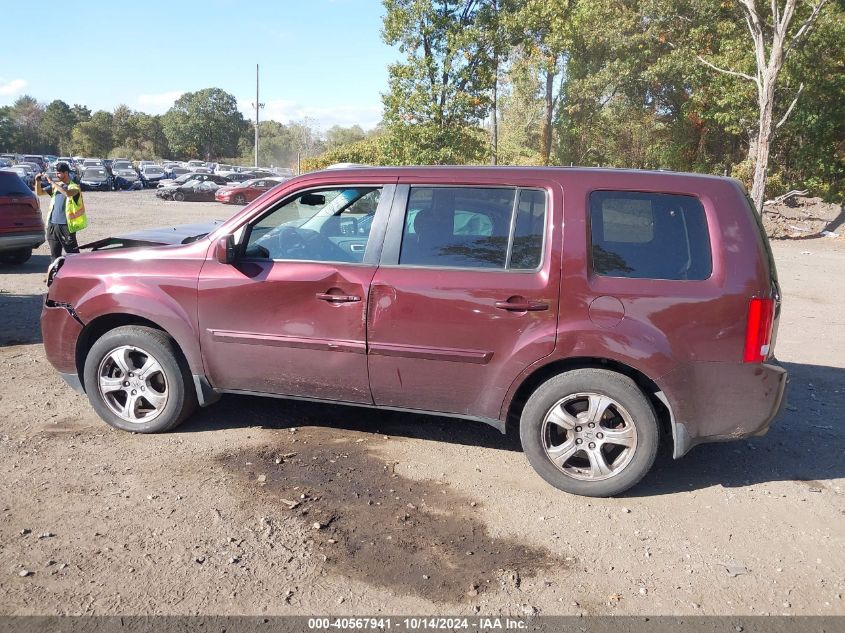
(758,336)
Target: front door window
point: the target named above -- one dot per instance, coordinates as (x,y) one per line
(328,225)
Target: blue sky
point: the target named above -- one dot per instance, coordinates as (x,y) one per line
(322,59)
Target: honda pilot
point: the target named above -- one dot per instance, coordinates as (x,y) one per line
(596,312)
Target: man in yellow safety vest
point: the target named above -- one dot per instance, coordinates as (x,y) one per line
(67,211)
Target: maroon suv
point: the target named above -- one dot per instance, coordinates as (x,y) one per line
(589,307)
(21,226)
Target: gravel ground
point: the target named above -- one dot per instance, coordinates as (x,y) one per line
(260,506)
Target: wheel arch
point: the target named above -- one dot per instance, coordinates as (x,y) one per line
(541,374)
(96,328)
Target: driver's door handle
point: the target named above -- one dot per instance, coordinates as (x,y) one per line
(325,296)
(523,306)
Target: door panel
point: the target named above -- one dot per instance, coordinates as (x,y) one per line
(290,316)
(264,328)
(453,340)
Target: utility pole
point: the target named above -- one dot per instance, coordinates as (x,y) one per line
(257,105)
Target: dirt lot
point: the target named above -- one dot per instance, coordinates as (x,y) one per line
(416,514)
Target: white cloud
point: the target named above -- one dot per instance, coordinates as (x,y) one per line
(158,103)
(285,111)
(12,87)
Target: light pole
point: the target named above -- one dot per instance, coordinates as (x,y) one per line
(257,105)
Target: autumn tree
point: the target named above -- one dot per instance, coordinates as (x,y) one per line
(774,35)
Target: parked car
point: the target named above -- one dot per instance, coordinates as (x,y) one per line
(218,180)
(246,191)
(195,164)
(96,179)
(648,301)
(124,173)
(35,168)
(21,226)
(25,173)
(35,159)
(235,176)
(151,175)
(173,172)
(192,190)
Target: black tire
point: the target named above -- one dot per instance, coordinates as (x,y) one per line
(179,196)
(576,389)
(15,258)
(143,342)
(239,199)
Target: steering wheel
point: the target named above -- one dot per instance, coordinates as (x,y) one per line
(290,242)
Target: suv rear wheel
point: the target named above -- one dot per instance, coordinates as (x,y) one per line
(137,380)
(590,432)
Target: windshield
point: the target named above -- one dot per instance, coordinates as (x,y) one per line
(94,173)
(121,165)
(153,171)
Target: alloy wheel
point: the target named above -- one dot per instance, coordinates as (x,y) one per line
(589,436)
(132,383)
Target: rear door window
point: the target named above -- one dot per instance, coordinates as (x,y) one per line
(649,236)
(474,227)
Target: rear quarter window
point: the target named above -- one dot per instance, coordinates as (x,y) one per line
(649,236)
(12,185)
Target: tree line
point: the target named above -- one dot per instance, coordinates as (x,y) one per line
(738,87)
(204,124)
(743,88)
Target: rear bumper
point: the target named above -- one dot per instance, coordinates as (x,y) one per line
(15,241)
(719,402)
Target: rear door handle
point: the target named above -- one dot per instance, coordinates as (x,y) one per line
(527,306)
(325,296)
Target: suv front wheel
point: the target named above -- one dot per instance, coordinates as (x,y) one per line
(590,432)
(137,380)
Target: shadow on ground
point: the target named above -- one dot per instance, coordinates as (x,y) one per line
(276,413)
(804,443)
(21,313)
(21,319)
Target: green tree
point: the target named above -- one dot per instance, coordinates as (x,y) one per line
(81,113)
(8,141)
(124,125)
(93,137)
(443,87)
(337,135)
(26,114)
(520,112)
(542,29)
(57,126)
(205,123)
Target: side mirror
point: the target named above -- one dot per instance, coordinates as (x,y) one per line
(224,249)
